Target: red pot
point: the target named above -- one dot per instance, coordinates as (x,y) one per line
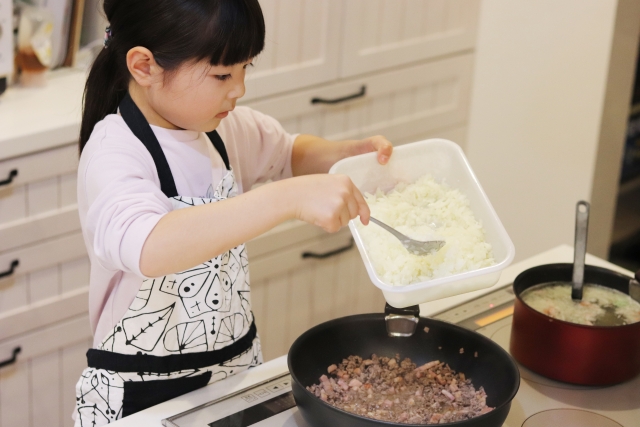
(563,351)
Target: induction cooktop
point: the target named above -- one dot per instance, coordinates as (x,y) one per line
(540,402)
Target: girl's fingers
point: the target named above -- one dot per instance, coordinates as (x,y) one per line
(363,208)
(344,218)
(383,147)
(352,206)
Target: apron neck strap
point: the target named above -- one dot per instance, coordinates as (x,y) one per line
(138,124)
(215,139)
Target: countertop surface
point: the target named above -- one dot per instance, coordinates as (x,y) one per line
(154,415)
(34,119)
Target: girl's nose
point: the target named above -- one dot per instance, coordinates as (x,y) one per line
(237,91)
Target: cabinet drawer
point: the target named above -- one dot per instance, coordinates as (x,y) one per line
(397,104)
(290,294)
(38,389)
(38,183)
(40,227)
(43,271)
(390,33)
(299,255)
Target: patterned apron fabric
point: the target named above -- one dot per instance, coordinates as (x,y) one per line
(181,332)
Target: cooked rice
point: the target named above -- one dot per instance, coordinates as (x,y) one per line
(424,210)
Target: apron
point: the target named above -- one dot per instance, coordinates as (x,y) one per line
(182,331)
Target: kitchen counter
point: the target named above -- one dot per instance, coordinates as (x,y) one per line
(38,118)
(154,415)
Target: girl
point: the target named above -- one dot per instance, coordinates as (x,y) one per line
(165,168)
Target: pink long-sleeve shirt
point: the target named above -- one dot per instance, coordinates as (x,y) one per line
(120,200)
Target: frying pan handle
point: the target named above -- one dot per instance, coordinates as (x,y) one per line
(413,310)
(401,322)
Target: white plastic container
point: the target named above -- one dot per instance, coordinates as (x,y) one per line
(443,160)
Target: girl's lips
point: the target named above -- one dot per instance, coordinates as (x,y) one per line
(222,115)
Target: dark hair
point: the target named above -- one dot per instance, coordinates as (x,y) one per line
(226,32)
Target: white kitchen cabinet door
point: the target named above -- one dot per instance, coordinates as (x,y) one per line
(38,389)
(398,104)
(38,273)
(291,293)
(37,184)
(381,34)
(301,46)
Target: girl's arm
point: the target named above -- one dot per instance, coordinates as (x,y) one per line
(312,154)
(187,237)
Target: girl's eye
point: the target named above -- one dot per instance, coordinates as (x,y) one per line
(223,77)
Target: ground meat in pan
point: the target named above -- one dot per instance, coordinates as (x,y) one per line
(388,389)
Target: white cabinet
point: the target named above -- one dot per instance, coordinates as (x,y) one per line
(301,46)
(307,284)
(398,104)
(38,388)
(382,34)
(309,42)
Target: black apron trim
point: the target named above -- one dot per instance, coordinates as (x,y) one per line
(140,395)
(144,363)
(138,124)
(215,139)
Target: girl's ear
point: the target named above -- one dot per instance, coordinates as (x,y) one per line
(143,66)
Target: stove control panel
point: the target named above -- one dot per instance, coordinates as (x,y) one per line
(482,311)
(248,407)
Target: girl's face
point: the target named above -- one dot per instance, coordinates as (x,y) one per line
(198,95)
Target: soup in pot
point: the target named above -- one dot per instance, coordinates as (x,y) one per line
(554,300)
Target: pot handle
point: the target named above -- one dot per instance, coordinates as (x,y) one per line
(401,322)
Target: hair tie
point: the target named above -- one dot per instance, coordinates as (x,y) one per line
(108,35)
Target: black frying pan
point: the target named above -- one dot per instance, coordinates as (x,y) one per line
(364,334)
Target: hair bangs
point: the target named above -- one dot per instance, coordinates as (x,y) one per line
(234,34)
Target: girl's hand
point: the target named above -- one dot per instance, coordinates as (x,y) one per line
(374,143)
(328,201)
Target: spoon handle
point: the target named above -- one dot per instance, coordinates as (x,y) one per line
(391,230)
(580,249)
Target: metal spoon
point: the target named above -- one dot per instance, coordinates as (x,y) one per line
(579,249)
(416,247)
(609,317)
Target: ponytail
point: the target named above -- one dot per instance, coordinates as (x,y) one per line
(225,32)
(106,85)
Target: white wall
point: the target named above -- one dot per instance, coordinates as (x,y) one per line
(537,105)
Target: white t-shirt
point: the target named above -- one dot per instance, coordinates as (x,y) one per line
(120,200)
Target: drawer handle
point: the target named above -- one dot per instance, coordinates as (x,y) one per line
(13,358)
(9,180)
(328,254)
(360,94)
(14,264)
